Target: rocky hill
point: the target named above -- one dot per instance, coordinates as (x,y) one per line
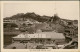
(36,17)
(29,16)
(54,22)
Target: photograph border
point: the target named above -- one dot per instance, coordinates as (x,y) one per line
(34,50)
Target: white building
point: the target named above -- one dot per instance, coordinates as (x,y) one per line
(58,37)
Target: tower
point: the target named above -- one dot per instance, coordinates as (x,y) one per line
(55,9)
(55,13)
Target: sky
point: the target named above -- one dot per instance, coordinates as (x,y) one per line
(64,9)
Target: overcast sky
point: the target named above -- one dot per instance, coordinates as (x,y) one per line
(64,9)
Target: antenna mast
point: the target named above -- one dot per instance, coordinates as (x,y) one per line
(55,12)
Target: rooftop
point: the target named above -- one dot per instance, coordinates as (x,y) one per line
(52,35)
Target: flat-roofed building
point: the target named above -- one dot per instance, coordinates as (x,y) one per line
(42,36)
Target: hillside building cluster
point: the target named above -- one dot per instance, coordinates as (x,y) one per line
(55,33)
